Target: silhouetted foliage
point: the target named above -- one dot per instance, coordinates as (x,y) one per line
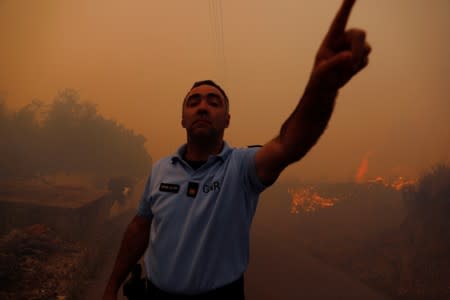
(426,230)
(432,193)
(68,136)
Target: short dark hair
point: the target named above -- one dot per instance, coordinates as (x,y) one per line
(213,84)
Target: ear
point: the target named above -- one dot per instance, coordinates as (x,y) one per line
(228,120)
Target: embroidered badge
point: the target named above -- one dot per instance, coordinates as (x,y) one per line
(192,189)
(169,187)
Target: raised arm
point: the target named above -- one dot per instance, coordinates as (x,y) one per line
(342,54)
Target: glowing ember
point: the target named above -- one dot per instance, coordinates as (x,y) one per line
(308,200)
(398,184)
(401,183)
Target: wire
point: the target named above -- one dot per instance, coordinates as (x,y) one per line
(217,37)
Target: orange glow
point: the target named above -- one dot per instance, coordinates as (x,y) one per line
(362,169)
(398,184)
(308,200)
(378,179)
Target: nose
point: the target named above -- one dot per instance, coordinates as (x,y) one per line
(203,107)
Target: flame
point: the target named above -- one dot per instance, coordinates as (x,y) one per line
(401,183)
(363,168)
(398,184)
(378,180)
(308,200)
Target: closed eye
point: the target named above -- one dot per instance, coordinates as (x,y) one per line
(193,100)
(214,100)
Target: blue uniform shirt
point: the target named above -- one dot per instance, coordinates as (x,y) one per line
(199,237)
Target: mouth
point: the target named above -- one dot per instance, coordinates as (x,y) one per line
(202,121)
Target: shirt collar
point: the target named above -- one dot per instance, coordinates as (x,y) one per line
(178,155)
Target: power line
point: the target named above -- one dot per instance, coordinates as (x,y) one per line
(217,37)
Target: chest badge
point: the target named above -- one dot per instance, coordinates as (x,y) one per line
(192,189)
(169,187)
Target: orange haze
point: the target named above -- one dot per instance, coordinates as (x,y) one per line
(137,59)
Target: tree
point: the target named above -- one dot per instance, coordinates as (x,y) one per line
(68,136)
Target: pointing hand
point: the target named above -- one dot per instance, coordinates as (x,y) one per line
(342,54)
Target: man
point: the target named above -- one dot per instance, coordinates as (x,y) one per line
(197,207)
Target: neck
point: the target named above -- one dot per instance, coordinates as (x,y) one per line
(201,150)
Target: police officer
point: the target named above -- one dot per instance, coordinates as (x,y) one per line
(196,210)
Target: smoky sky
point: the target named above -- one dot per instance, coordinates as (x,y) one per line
(136,61)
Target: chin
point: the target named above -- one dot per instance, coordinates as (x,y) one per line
(203,134)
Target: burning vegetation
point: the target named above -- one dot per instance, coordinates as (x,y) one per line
(308,200)
(393,236)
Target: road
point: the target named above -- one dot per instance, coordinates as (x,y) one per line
(280,271)
(279,267)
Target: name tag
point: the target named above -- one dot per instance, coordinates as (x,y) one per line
(169,187)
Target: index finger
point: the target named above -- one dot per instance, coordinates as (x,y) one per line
(340,20)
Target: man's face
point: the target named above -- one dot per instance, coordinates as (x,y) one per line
(205,112)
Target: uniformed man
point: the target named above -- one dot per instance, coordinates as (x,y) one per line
(194,218)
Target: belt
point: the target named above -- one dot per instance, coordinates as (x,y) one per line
(233,290)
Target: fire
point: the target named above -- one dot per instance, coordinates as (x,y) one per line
(363,168)
(398,184)
(401,183)
(308,200)
(377,180)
